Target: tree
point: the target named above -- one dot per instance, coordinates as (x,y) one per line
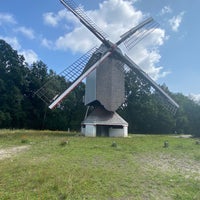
(12,79)
(135,108)
(21,108)
(188,116)
(70,113)
(35,109)
(142,110)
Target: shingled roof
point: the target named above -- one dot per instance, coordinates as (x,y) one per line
(100,116)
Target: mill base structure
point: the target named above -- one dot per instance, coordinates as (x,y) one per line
(101,122)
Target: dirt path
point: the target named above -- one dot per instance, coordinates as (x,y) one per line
(164,162)
(9,152)
(182,136)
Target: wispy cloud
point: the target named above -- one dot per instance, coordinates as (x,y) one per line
(53,19)
(165,10)
(175,21)
(13,41)
(195,97)
(7,18)
(29,55)
(47,43)
(50,19)
(29,33)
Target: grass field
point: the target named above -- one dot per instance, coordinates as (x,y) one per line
(58,165)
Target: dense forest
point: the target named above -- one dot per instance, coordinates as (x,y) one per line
(21,108)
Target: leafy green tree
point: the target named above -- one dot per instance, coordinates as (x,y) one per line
(34,107)
(135,108)
(70,113)
(142,109)
(188,116)
(12,79)
(21,108)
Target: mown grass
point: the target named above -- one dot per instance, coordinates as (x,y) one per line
(59,165)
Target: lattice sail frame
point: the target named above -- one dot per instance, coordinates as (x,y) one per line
(169,104)
(82,15)
(140,35)
(51,89)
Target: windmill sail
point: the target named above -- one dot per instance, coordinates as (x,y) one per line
(167,101)
(78,80)
(77,72)
(137,33)
(84,19)
(140,34)
(51,90)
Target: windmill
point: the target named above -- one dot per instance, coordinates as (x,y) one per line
(104,69)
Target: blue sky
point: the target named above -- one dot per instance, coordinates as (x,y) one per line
(44,30)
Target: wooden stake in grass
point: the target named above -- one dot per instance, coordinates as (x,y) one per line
(197,142)
(114,144)
(64,142)
(24,140)
(166,144)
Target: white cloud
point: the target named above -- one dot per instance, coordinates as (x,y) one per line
(13,41)
(47,43)
(175,21)
(195,97)
(80,40)
(110,16)
(29,55)
(165,10)
(29,33)
(115,17)
(148,60)
(50,19)
(146,54)
(7,18)
(53,19)
(118,12)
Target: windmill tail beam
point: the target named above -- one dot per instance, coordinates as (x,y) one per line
(77,81)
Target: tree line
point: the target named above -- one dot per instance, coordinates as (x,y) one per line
(20,108)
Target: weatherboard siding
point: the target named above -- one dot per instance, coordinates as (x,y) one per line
(106,85)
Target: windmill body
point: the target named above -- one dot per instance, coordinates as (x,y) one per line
(105,85)
(104,69)
(105,92)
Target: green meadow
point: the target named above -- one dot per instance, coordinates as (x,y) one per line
(61,165)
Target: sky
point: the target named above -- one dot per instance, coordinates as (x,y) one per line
(45,30)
